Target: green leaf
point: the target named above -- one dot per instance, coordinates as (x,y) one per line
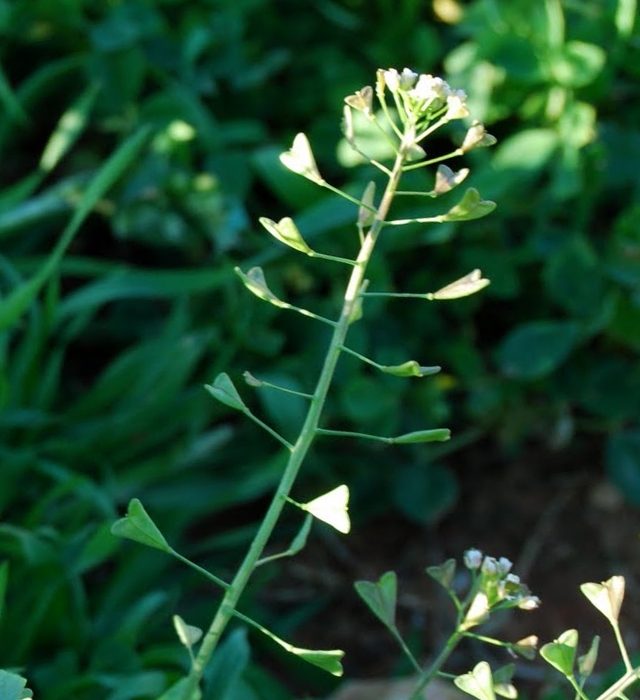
(502,682)
(447,179)
(381,597)
(578,64)
(409,369)
(622,462)
(527,151)
(443,573)
(534,350)
(19,300)
(625,324)
(300,540)
(177,691)
(424,493)
(573,278)
(561,653)
(526,647)
(478,682)
(187,634)
(327,660)
(4,580)
(255,282)
(587,662)
(365,213)
(68,130)
(225,391)
(138,526)
(471,206)
(229,663)
(435,435)
(606,597)
(286,232)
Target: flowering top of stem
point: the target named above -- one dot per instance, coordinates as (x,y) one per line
(422,98)
(497,583)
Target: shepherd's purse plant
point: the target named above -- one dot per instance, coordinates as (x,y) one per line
(410,109)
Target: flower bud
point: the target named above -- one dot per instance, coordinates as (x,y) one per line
(473,559)
(489,566)
(504,566)
(530,602)
(408,79)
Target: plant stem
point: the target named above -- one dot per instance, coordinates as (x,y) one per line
(303,443)
(430,674)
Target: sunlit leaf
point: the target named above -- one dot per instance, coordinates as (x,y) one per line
(478,682)
(286,232)
(187,634)
(606,597)
(332,508)
(255,282)
(299,159)
(478,611)
(447,179)
(561,653)
(587,662)
(465,286)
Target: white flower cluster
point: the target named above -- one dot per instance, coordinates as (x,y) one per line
(498,583)
(424,95)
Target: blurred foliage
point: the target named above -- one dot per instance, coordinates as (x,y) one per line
(139,143)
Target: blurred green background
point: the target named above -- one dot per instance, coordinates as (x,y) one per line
(139,144)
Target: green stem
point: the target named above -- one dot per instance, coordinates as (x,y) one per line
(349,433)
(620,685)
(431,673)
(621,646)
(307,435)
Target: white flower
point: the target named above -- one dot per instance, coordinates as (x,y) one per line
(504,566)
(512,578)
(530,602)
(391,79)
(456,106)
(408,79)
(489,566)
(473,559)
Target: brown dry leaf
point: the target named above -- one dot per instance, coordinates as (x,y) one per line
(395,689)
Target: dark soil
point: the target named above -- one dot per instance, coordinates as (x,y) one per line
(552,513)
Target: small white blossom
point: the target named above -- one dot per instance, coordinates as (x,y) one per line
(530,602)
(504,565)
(473,559)
(512,578)
(408,79)
(391,79)
(456,107)
(489,566)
